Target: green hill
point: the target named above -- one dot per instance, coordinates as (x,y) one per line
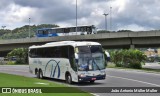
(23,32)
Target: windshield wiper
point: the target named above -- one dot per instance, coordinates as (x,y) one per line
(87,69)
(96,64)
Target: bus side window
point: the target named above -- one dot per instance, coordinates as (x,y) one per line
(78,29)
(64,52)
(71,52)
(45,32)
(49,31)
(40,53)
(82,29)
(49,52)
(39,32)
(57,52)
(32,53)
(72,29)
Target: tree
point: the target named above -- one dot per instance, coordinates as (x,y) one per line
(103,31)
(20,54)
(131,58)
(124,31)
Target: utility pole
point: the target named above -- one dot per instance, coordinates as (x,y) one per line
(105,15)
(76,17)
(29,29)
(110,18)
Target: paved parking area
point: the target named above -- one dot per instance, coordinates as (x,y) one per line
(154,65)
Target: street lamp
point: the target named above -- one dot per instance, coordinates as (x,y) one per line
(105,15)
(29,29)
(76,17)
(110,18)
(3,27)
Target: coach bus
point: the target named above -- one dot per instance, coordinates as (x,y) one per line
(64,31)
(73,61)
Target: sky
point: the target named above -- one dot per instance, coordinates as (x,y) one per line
(136,15)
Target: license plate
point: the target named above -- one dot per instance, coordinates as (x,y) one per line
(93,78)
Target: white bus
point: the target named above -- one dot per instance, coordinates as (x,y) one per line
(66,31)
(73,61)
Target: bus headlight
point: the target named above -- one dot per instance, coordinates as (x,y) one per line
(103,73)
(82,75)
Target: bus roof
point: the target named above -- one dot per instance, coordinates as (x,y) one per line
(65,43)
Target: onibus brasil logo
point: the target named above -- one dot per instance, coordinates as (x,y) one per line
(21,90)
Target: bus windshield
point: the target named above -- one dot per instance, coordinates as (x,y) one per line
(90,58)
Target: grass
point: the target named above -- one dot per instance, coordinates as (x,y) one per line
(8,80)
(112,65)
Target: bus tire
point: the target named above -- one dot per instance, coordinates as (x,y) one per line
(41,74)
(69,79)
(37,74)
(92,81)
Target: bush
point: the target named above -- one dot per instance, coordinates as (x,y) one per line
(18,61)
(128,58)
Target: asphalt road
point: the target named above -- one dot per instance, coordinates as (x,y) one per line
(114,78)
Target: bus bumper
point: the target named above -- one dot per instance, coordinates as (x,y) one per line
(91,78)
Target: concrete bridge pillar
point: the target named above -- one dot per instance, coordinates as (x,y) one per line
(132,46)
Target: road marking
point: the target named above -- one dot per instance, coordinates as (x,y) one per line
(135,80)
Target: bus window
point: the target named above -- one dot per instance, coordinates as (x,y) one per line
(58,30)
(40,53)
(49,52)
(72,29)
(66,30)
(32,53)
(40,32)
(50,31)
(78,29)
(57,52)
(64,52)
(55,30)
(82,29)
(96,48)
(45,32)
(89,30)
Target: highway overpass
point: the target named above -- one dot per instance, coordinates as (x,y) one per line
(111,40)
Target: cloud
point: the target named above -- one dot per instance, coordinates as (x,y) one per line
(129,14)
(140,12)
(134,27)
(17,13)
(13,15)
(53,11)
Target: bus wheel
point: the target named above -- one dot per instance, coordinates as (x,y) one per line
(69,79)
(37,74)
(41,74)
(92,81)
